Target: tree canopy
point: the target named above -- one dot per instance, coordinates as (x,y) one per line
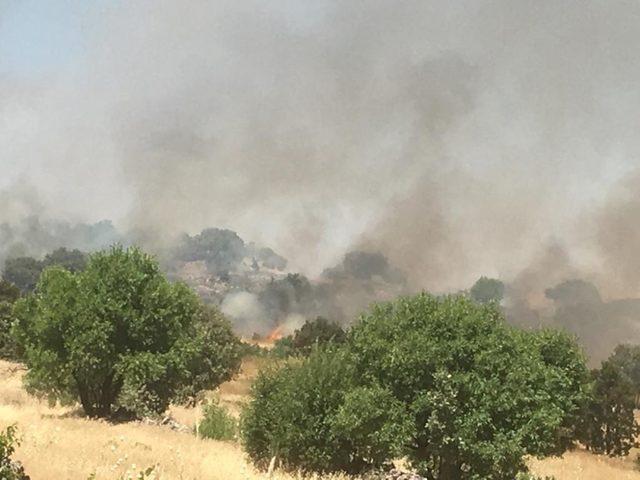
(462,395)
(487,290)
(482,394)
(24,272)
(119,336)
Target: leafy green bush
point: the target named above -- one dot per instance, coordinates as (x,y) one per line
(481,394)
(10,469)
(9,293)
(312,415)
(487,290)
(283,347)
(119,337)
(217,423)
(627,357)
(313,333)
(609,424)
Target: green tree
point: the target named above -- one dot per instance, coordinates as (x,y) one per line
(487,290)
(316,332)
(9,293)
(119,336)
(22,272)
(312,415)
(72,260)
(627,357)
(9,468)
(609,424)
(482,395)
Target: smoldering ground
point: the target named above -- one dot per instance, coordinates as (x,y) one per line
(457,138)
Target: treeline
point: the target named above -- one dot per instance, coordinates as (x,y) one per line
(442,381)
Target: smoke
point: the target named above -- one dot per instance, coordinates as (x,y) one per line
(458,139)
(26,229)
(247,313)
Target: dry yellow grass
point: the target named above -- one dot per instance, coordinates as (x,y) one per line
(59,444)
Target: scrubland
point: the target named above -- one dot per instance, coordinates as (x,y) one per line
(59,443)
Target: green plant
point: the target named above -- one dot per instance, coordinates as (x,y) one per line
(217,423)
(319,331)
(119,337)
(10,469)
(313,333)
(312,415)
(9,293)
(627,357)
(487,290)
(609,424)
(481,394)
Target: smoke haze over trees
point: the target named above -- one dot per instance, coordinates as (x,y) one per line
(455,139)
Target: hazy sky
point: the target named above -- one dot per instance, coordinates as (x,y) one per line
(459,137)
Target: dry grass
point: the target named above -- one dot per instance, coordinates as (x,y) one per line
(59,444)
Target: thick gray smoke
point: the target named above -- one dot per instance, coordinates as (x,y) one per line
(457,138)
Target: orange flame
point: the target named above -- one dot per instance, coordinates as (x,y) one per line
(276,334)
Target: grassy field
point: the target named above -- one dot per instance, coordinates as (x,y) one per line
(58,443)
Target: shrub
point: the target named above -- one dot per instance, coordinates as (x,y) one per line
(609,425)
(283,347)
(217,423)
(317,332)
(10,469)
(9,293)
(119,335)
(481,394)
(313,333)
(487,290)
(627,357)
(8,347)
(312,415)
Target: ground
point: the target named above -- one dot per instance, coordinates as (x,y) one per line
(58,443)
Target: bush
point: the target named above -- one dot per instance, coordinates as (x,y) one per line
(313,333)
(119,336)
(487,290)
(9,293)
(481,394)
(317,332)
(217,423)
(627,357)
(10,469)
(609,424)
(312,415)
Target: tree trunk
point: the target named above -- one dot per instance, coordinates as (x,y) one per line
(449,469)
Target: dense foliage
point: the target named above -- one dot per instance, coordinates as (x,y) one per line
(24,272)
(10,469)
(313,333)
(217,423)
(481,394)
(627,357)
(313,415)
(9,293)
(487,290)
(609,424)
(119,337)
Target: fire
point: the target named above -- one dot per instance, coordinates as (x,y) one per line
(276,334)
